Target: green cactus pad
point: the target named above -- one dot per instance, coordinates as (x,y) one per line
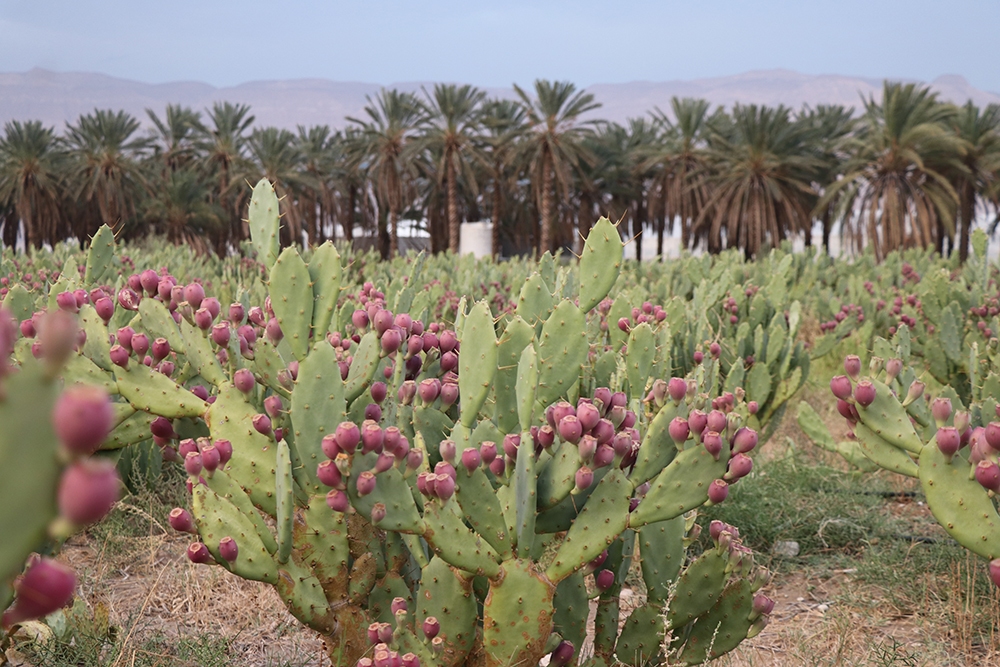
(602,519)
(217,518)
(134,429)
(721,629)
(557,477)
(303,594)
(571,606)
(698,588)
(263,218)
(641,637)
(318,406)
(658,448)
(524,484)
(363,368)
(517,615)
(482,509)
(814,428)
(448,597)
(882,453)
(661,547)
(639,359)
(200,355)
(391,490)
(526,386)
(283,492)
(364,574)
(959,503)
(96,347)
(516,337)
(81,370)
(380,599)
(156,320)
(681,487)
(267,364)
(452,540)
(562,349)
(102,251)
(227,488)
(600,263)
(154,392)
(326,273)
(292,300)
(321,542)
(478,362)
(534,304)
(888,419)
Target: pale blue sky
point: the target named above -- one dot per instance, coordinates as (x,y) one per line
(225,42)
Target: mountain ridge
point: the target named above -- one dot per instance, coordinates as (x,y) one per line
(56,98)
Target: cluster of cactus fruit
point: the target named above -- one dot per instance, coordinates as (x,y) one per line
(950,446)
(447,493)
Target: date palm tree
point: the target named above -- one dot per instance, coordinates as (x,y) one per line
(503,126)
(223,146)
(452,128)
(105,169)
(32,165)
(278,158)
(553,147)
(893,192)
(388,138)
(180,206)
(763,170)
(980,130)
(176,135)
(829,127)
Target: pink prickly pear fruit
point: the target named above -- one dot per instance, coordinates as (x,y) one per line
(328,474)
(570,429)
(841,387)
(243,380)
(67,301)
(225,449)
(373,438)
(752,407)
(604,455)
(498,466)
(82,419)
(161,427)
(198,553)
(624,324)
(384,633)
(739,466)
(105,308)
(948,440)
(273,406)
(373,633)
(444,488)
(712,442)
(595,564)
(449,362)
(544,437)
(203,319)
(429,390)
(993,435)
(181,520)
(847,411)
(192,463)
(697,421)
(622,444)
(745,440)
(221,334)
(699,356)
(382,321)
(679,430)
(338,501)
(27,328)
(236,313)
(378,392)
(988,475)
(893,368)
(619,399)
(391,341)
(432,627)
(602,398)
(45,586)
(194,294)
(617,415)
(864,393)
(603,431)
(511,442)
(347,436)
(471,459)
(410,660)
(213,306)
(228,549)
(915,391)
(124,337)
(717,421)
(718,491)
(630,419)
(488,451)
(383,462)
(557,411)
(378,513)
(588,414)
(449,394)
(88,490)
(762,605)
(994,570)
(584,479)
(852,364)
(187,446)
(365,483)
(211,458)
(562,655)
(677,388)
(941,411)
(360,319)
(605,579)
(262,424)
(329,446)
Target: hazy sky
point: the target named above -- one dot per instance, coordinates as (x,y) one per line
(225,42)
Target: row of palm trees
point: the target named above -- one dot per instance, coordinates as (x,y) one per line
(908,170)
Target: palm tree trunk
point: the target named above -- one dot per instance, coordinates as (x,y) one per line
(586,216)
(454,228)
(827,225)
(637,225)
(966,211)
(24,211)
(393,232)
(545,241)
(348,219)
(661,225)
(497,203)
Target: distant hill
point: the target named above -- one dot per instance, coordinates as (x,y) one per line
(58,97)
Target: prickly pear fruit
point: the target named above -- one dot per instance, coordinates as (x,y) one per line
(87,491)
(82,418)
(45,586)
(228,549)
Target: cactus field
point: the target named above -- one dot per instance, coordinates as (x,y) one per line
(444,461)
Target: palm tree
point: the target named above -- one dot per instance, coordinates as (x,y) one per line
(176,135)
(980,130)
(829,127)
(503,126)
(223,146)
(453,126)
(680,166)
(893,192)
(105,167)
(554,145)
(321,156)
(276,152)
(32,164)
(762,175)
(388,139)
(181,203)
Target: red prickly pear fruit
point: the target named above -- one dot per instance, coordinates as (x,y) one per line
(915,391)
(712,442)
(273,406)
(198,553)
(941,411)
(391,342)
(715,350)
(203,319)
(273,331)
(432,627)
(211,458)
(192,463)
(187,446)
(445,468)
(588,414)
(488,451)
(602,395)
(605,579)
(697,421)
(329,446)
(617,415)
(893,368)
(256,316)
(677,388)
(993,435)
(365,483)
(88,490)
(604,455)
(338,501)
(557,411)
(406,393)
(841,387)
(961,421)
(739,466)
(471,459)
(718,491)
(225,449)
(27,329)
(373,438)
(624,324)
(595,564)
(562,655)
(716,421)
(752,407)
(988,475)
(383,462)
(243,380)
(212,305)
(449,362)
(124,337)
(410,660)
(995,571)
(221,334)
(864,393)
(347,435)
(378,392)
(570,429)
(228,549)
(194,294)
(619,399)
(511,442)
(762,605)
(182,521)
(262,424)
(82,419)
(679,430)
(847,411)
(745,440)
(45,586)
(699,356)
(498,466)
(360,319)
(852,364)
(329,474)
(544,437)
(373,634)
(140,344)
(449,394)
(161,427)
(236,313)
(105,308)
(377,513)
(948,440)
(429,390)
(584,478)
(67,301)
(200,391)
(382,321)
(384,633)
(444,488)
(603,431)
(622,444)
